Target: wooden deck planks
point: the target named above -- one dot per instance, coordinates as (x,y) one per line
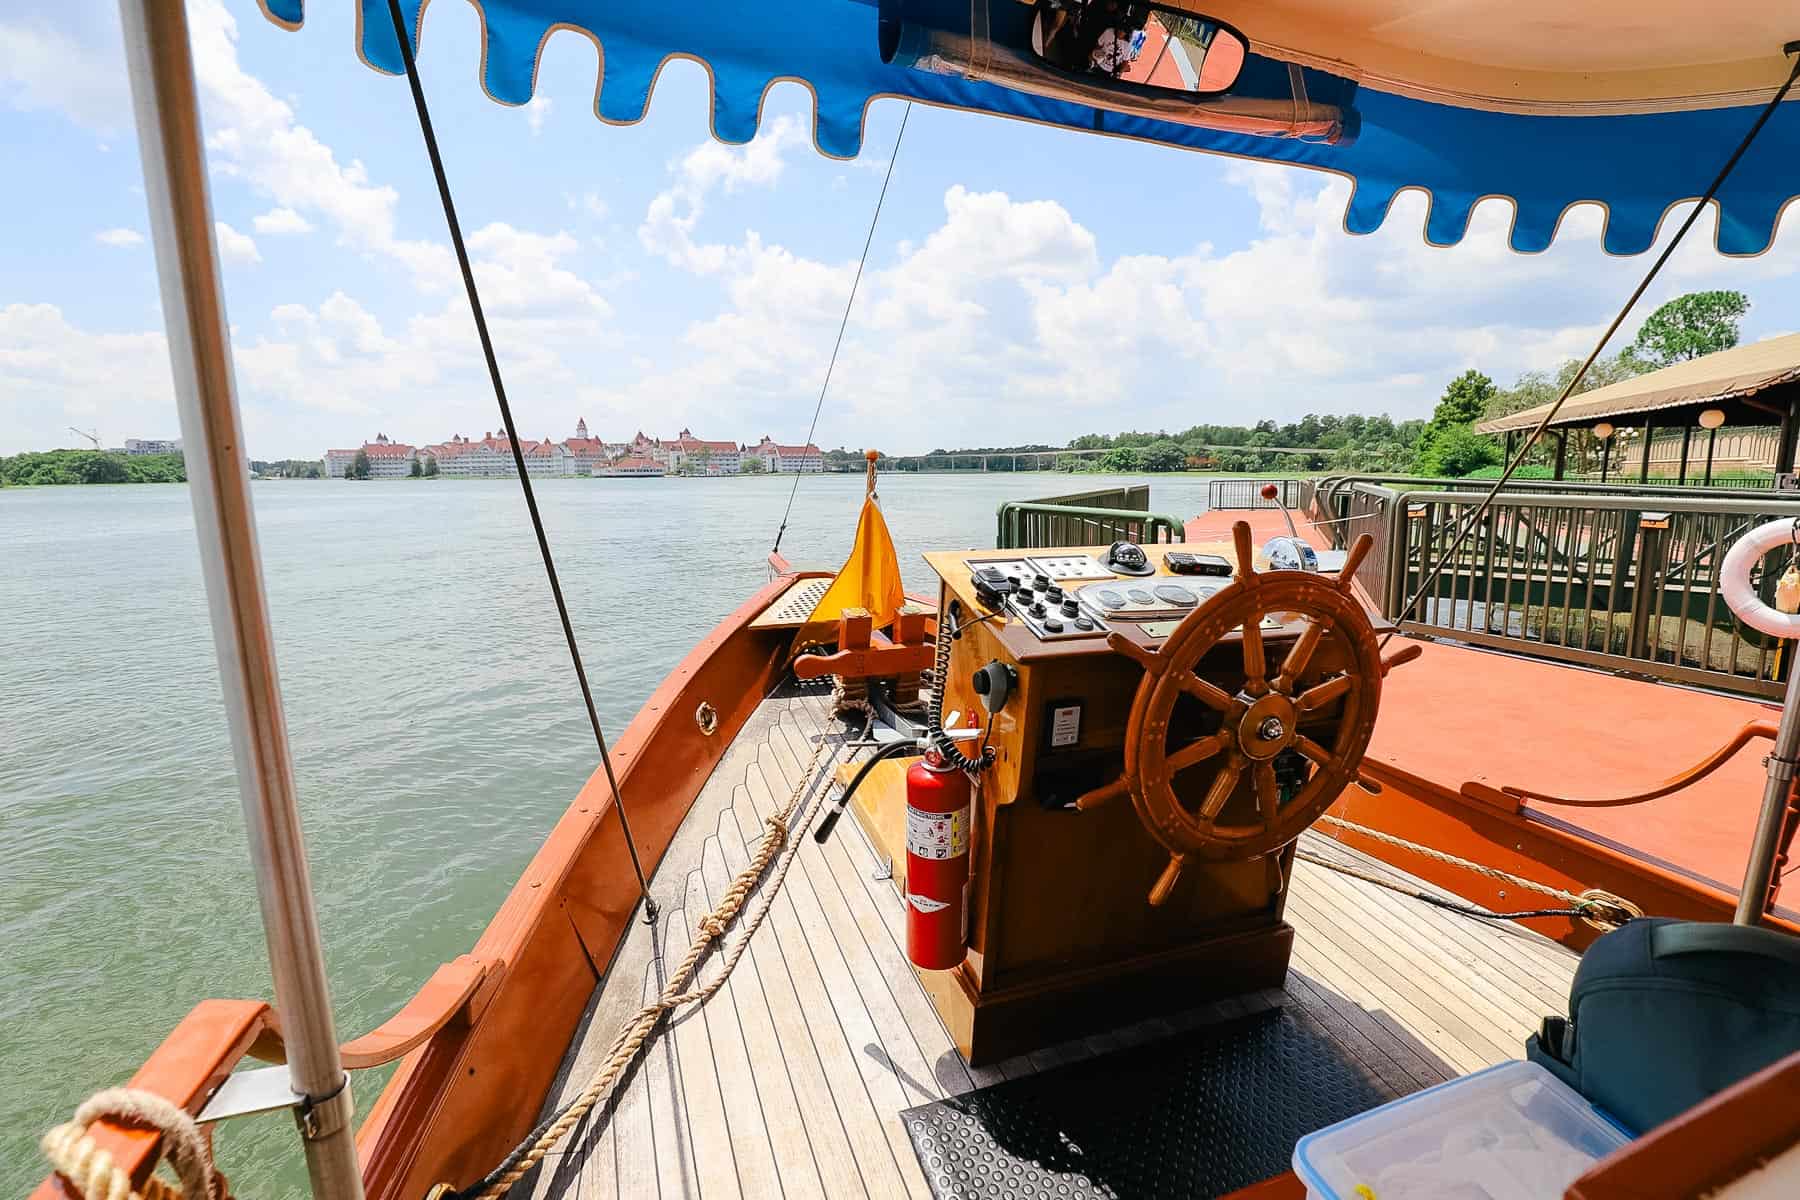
(790,1080)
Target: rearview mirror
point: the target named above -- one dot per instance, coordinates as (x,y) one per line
(1156,47)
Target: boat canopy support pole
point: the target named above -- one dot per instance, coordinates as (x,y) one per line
(169,138)
(1753,897)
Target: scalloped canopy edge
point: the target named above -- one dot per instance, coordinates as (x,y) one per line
(1636,167)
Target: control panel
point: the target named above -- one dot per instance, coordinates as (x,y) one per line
(1147,599)
(1053,613)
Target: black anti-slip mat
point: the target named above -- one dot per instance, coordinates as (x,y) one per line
(1198,1114)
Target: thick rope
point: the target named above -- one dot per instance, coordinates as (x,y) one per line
(74,1154)
(1599,908)
(678,992)
(1464,910)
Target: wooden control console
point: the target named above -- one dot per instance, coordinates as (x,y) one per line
(1063,940)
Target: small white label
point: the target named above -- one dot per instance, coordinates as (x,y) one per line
(1065,725)
(926,904)
(937,836)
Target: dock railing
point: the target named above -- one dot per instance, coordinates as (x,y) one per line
(1095,518)
(1247,493)
(1621,581)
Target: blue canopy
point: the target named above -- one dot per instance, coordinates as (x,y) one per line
(1636,165)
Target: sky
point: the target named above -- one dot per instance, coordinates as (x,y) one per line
(1024,284)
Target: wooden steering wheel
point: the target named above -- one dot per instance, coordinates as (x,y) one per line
(1257,723)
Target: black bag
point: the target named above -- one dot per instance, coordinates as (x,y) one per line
(1664,1013)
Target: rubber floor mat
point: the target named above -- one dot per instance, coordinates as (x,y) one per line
(1199,1114)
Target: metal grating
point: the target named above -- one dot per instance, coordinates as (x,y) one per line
(792,607)
(1199,1114)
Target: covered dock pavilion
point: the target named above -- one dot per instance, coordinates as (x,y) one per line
(1757,384)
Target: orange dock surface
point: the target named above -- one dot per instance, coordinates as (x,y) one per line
(1461,715)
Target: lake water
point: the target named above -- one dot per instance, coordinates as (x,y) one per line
(436,725)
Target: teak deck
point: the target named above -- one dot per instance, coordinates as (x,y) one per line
(790,1081)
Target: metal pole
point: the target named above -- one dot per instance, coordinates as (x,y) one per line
(1649,436)
(169,137)
(1753,896)
(1712,438)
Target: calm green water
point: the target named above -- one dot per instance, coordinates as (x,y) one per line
(436,726)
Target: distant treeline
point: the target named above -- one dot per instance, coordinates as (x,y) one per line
(90,466)
(1447,444)
(1353,442)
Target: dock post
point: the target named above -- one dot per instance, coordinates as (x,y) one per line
(161,67)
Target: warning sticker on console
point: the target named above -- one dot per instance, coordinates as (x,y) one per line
(937,835)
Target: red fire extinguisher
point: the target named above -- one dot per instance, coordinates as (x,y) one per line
(938,821)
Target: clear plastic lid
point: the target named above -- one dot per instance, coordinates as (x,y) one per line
(1511,1132)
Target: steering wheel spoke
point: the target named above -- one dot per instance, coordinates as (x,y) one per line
(1268,792)
(1223,784)
(1315,698)
(1294,665)
(1215,698)
(1314,751)
(1196,751)
(1256,659)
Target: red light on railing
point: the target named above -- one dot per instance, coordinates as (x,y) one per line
(1270,491)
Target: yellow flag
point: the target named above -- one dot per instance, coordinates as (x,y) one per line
(869,578)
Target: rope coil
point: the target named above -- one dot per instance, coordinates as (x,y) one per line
(74,1154)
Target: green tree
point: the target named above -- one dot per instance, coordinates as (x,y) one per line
(1690,326)
(1458,450)
(1541,387)
(359,466)
(431,467)
(1120,460)
(1463,403)
(1162,456)
(417,471)
(753,466)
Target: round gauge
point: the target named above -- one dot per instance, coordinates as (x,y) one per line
(1174,593)
(1110,598)
(1140,596)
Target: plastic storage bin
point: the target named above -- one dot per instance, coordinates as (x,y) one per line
(1511,1132)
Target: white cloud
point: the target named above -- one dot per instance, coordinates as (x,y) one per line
(234,246)
(669,222)
(54,374)
(42,67)
(281,221)
(536,110)
(119,237)
(254,137)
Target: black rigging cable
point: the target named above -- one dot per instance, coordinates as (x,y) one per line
(1468,524)
(845,322)
(512,435)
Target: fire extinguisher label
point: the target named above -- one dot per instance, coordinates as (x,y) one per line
(926,904)
(937,835)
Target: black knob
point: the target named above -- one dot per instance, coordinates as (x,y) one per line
(1037,610)
(1042,582)
(1083,623)
(1052,625)
(1069,607)
(1024,595)
(1054,595)
(981,683)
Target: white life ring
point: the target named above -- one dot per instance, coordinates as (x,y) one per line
(1734,579)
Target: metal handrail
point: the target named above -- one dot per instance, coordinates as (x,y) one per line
(1033,524)
(1247,494)
(1548,574)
